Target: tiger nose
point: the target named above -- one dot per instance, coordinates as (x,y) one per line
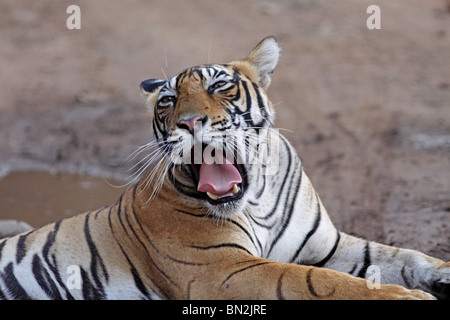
(188,123)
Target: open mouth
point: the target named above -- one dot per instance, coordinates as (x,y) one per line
(218,179)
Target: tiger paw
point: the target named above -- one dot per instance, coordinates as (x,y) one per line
(395,292)
(440,285)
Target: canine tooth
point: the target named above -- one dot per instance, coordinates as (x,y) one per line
(212,196)
(235,189)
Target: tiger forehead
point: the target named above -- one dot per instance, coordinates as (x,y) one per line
(202,74)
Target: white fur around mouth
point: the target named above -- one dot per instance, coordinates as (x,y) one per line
(232,192)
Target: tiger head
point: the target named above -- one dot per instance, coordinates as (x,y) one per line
(209,120)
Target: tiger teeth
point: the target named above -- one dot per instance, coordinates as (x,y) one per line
(213,196)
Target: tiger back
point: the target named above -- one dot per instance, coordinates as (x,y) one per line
(224,210)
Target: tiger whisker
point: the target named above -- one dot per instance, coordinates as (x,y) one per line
(159,180)
(145,158)
(152,174)
(146,164)
(141,149)
(160,151)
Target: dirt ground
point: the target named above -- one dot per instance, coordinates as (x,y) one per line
(367,110)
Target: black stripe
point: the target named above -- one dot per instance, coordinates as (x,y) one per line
(279,287)
(145,248)
(192,214)
(134,192)
(405,278)
(96,213)
(331,253)
(50,239)
(249,235)
(50,259)
(119,214)
(156,122)
(311,232)
(90,291)
(222,245)
(155,133)
(311,287)
(136,235)
(12,284)
(290,210)
(367,262)
(246,147)
(187,263)
(207,215)
(261,105)
(220,72)
(44,279)
(21,248)
(281,189)
(197,74)
(243,269)
(130,225)
(210,71)
(236,81)
(110,219)
(2,244)
(309,283)
(149,241)
(263,187)
(139,283)
(141,242)
(246,113)
(97,264)
(250,217)
(180,78)
(353,269)
(137,279)
(188,294)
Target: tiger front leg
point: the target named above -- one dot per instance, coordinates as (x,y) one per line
(391,265)
(440,281)
(428,274)
(265,279)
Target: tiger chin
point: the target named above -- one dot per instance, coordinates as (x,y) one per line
(224,210)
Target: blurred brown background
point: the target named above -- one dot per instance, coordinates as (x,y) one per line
(368,110)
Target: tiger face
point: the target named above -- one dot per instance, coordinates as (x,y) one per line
(209,121)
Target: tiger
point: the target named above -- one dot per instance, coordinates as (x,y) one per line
(221,208)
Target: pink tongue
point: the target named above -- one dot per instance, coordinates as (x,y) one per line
(218,178)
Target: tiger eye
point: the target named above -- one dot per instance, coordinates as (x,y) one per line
(167,99)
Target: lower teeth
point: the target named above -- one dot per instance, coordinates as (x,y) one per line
(213,196)
(235,189)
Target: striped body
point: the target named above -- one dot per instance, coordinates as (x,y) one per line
(267,236)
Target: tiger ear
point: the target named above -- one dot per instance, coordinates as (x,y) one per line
(264,57)
(148,88)
(151,85)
